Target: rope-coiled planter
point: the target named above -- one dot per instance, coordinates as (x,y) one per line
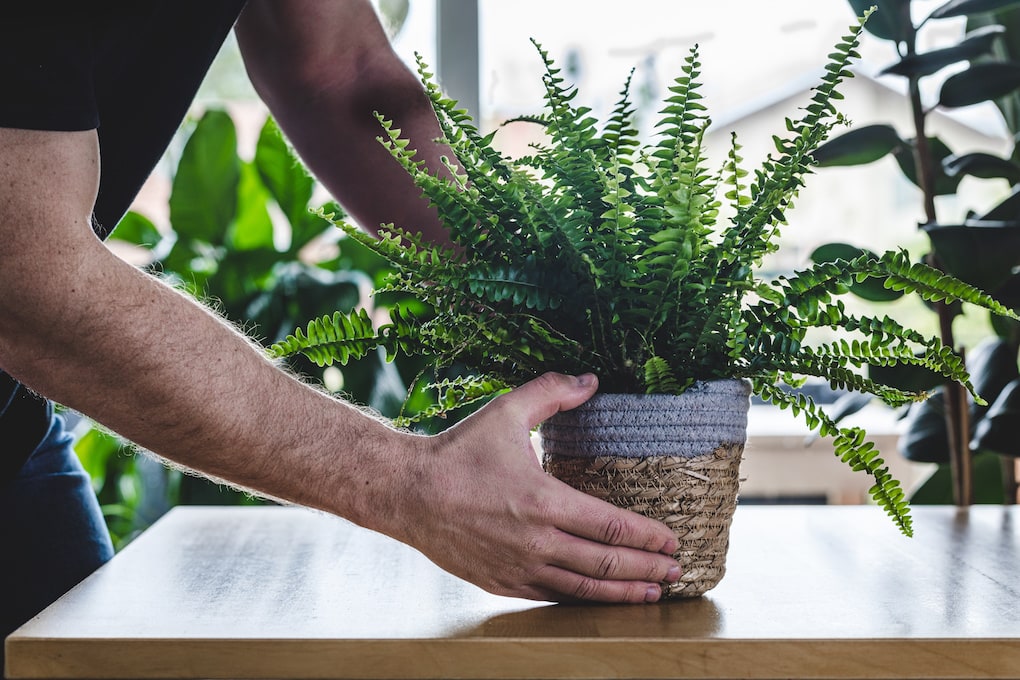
(674,458)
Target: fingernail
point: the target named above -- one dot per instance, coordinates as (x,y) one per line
(669,547)
(673,575)
(586,380)
(652,594)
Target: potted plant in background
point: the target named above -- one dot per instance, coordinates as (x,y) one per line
(598,254)
(967,438)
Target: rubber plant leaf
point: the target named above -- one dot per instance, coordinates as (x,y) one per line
(1008,329)
(980,83)
(924,439)
(858,146)
(1009,294)
(983,165)
(203,198)
(944,184)
(999,431)
(959,8)
(848,404)
(873,288)
(1006,211)
(975,44)
(982,254)
(906,377)
(992,365)
(891,21)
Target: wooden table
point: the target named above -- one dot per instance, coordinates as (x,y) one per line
(285,593)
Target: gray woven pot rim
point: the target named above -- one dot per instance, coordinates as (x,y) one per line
(708,415)
(735,387)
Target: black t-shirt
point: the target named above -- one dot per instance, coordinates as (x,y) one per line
(127,68)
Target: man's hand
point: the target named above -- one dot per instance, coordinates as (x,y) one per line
(481,507)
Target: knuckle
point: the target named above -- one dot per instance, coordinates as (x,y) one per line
(538,545)
(614,531)
(586,589)
(608,566)
(548,381)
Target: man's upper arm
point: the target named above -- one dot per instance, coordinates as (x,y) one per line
(48,184)
(310,44)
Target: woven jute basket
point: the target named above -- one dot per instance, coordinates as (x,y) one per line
(674,458)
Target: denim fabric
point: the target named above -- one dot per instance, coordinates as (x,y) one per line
(51,529)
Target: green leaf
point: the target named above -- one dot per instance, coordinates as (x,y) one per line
(891,21)
(137,229)
(999,430)
(944,184)
(906,377)
(975,44)
(959,8)
(1006,211)
(982,254)
(239,275)
(1007,48)
(288,182)
(980,82)
(858,146)
(203,199)
(872,288)
(252,228)
(983,165)
(1009,295)
(992,365)
(848,404)
(924,439)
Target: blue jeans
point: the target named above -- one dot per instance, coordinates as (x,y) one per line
(51,529)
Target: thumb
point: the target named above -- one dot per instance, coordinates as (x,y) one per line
(549,394)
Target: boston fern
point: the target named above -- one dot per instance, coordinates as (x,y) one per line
(600,254)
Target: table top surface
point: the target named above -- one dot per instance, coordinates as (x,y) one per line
(284,592)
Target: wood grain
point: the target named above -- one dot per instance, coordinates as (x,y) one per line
(810,592)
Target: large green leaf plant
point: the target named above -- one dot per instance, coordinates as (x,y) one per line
(953,429)
(597,253)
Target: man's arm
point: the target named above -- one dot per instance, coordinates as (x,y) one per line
(324,67)
(85,329)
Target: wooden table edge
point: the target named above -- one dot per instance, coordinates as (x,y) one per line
(425,659)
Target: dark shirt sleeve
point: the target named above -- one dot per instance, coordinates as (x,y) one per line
(46,72)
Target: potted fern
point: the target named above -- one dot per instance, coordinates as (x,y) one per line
(599,254)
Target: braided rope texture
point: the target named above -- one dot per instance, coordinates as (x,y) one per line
(692,487)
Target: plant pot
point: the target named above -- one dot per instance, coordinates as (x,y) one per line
(674,458)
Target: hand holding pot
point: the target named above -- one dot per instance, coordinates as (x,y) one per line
(484,510)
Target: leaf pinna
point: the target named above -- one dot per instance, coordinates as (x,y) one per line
(596,253)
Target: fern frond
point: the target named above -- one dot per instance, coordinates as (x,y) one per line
(934,285)
(850,446)
(660,378)
(328,339)
(454,394)
(779,180)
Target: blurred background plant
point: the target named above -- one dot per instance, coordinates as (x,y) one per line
(974,446)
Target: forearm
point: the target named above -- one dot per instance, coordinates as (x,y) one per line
(324,69)
(167,374)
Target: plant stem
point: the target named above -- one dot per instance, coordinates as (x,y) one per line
(957,430)
(957,425)
(1009,481)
